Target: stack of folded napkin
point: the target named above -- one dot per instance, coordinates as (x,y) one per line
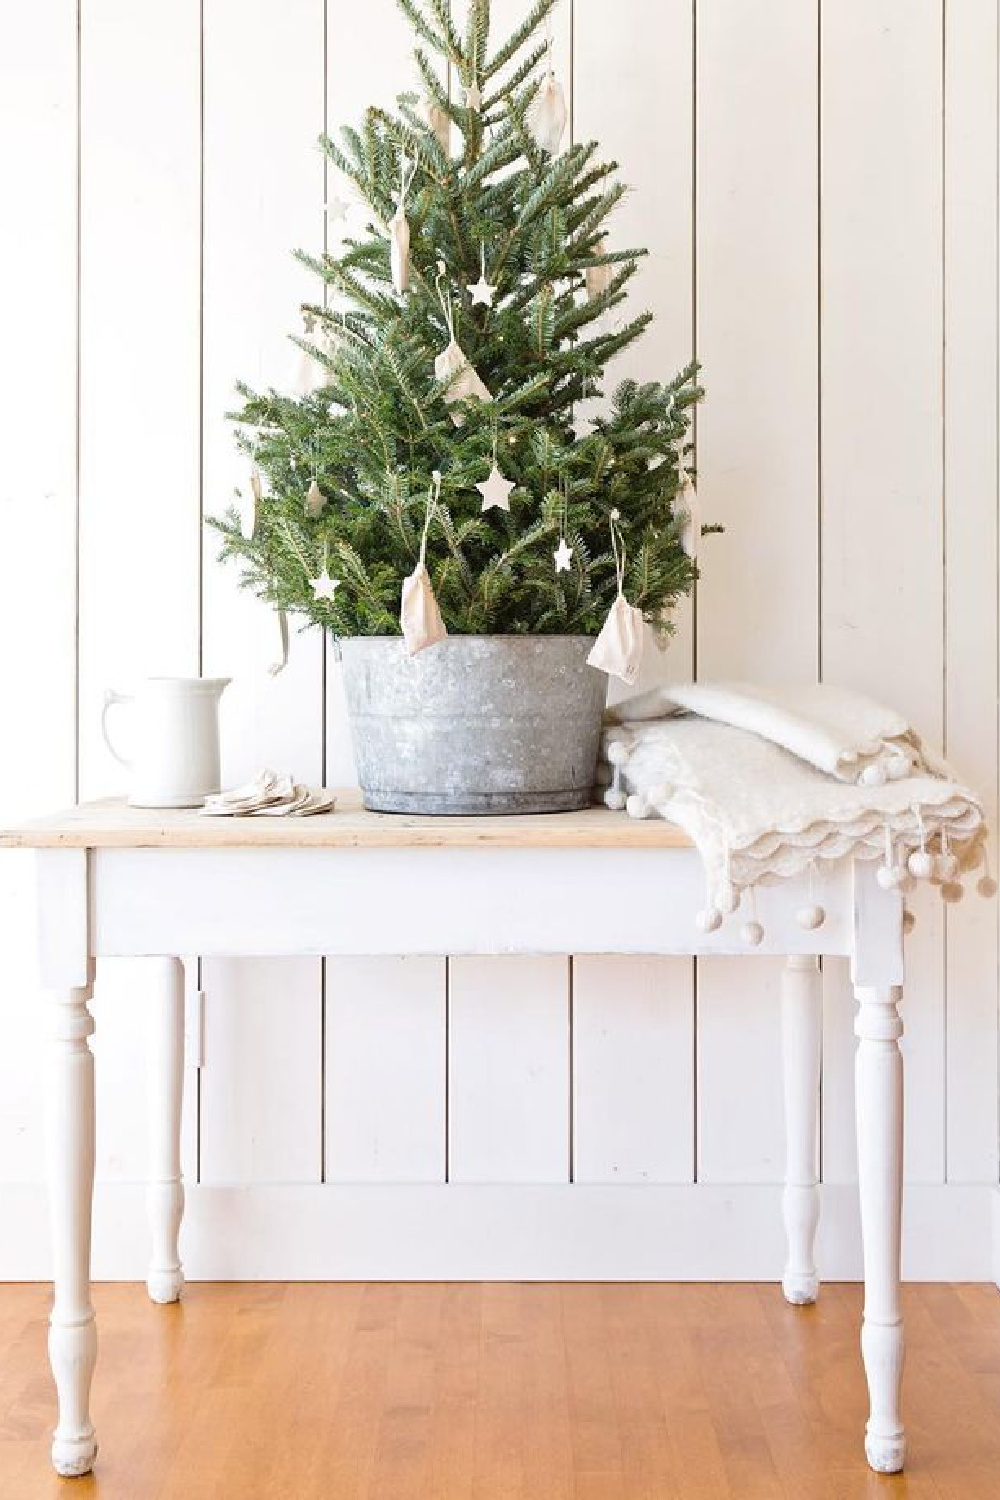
(770,782)
(269,795)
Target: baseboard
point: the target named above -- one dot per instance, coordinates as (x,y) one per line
(704,1232)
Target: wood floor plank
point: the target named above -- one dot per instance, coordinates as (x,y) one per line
(503,1392)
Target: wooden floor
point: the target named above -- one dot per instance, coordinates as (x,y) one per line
(527,1392)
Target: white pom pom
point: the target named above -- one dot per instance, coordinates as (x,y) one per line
(909,921)
(946,867)
(752,933)
(986,886)
(873,775)
(810,917)
(614,798)
(617,753)
(952,892)
(660,793)
(898,767)
(636,806)
(709,920)
(921,864)
(889,877)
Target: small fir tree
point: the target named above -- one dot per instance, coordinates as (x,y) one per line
(349,465)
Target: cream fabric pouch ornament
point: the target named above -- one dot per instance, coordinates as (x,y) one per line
(598,278)
(618,648)
(687,495)
(452,363)
(419,615)
(399,231)
(547,116)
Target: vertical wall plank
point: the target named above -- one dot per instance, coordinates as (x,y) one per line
(386,1018)
(970,548)
(633,1070)
(139,430)
(263,110)
(632,91)
(261,1076)
(757,461)
(38,491)
(882,586)
(386,1048)
(369,60)
(508,1070)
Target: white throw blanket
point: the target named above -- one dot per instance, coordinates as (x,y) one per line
(769,782)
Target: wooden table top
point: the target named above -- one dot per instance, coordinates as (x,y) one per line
(113,824)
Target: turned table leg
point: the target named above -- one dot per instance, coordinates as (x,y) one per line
(801,1033)
(165,1080)
(879,1104)
(72,1328)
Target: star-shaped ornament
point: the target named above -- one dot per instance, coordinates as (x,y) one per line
(473,96)
(324,587)
(562,556)
(337,207)
(495,490)
(480,291)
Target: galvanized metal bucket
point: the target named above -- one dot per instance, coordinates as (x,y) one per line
(474,724)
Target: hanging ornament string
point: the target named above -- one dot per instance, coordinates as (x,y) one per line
(399,229)
(618,648)
(419,614)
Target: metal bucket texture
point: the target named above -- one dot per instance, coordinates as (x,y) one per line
(474,724)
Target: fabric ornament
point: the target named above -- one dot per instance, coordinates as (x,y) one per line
(687,494)
(439,122)
(618,649)
(279,657)
(313,374)
(399,232)
(563,555)
(419,615)
(547,116)
(315,500)
(451,364)
(598,278)
(248,510)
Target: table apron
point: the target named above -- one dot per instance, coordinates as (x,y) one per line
(427,900)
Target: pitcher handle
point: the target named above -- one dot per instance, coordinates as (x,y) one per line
(110,699)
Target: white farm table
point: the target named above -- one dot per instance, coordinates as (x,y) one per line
(115,880)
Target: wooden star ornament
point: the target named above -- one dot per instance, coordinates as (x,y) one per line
(562,556)
(324,587)
(495,490)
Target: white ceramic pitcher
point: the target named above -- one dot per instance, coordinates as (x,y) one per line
(175,738)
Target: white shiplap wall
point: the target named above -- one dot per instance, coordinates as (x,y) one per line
(817,185)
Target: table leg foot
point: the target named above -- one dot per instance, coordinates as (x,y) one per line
(73,1354)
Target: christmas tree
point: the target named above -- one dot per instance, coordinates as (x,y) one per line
(453,359)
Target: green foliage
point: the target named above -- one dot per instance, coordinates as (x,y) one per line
(374,435)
